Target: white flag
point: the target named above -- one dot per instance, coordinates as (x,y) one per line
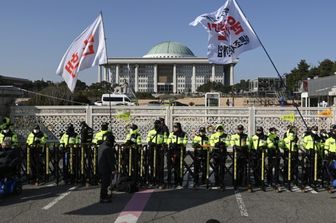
(86,51)
(230,34)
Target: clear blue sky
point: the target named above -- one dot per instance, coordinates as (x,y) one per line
(36,33)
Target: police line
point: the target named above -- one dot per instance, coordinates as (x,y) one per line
(155,166)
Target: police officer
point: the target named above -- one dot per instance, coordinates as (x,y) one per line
(200,144)
(7,134)
(5,122)
(155,139)
(69,144)
(331,129)
(102,134)
(311,144)
(239,142)
(330,150)
(106,166)
(70,137)
(288,129)
(177,142)
(86,133)
(323,136)
(36,141)
(132,151)
(290,146)
(219,142)
(273,155)
(37,137)
(164,129)
(258,145)
(86,136)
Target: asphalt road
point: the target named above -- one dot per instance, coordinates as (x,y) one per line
(80,204)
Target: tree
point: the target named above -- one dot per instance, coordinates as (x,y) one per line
(54,95)
(326,68)
(80,86)
(299,73)
(242,86)
(214,86)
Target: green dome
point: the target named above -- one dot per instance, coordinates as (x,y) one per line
(169,49)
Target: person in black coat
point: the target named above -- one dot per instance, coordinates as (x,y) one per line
(106,166)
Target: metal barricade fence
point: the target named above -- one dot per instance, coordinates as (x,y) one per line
(79,165)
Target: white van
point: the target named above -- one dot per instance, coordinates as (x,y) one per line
(115,99)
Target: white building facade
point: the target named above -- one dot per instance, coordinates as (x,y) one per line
(169,67)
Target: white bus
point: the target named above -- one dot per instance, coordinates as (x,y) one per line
(115,99)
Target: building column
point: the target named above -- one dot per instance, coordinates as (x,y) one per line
(105,73)
(136,70)
(231,74)
(117,75)
(213,72)
(99,74)
(193,80)
(155,79)
(174,79)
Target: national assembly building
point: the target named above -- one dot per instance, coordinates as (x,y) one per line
(168,67)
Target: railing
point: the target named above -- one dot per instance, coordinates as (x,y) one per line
(150,165)
(54,119)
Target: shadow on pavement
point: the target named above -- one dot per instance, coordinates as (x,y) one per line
(31,192)
(160,200)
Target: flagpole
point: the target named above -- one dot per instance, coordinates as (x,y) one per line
(275,68)
(110,108)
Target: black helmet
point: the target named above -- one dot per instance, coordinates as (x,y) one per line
(133,127)
(70,127)
(157,122)
(314,128)
(202,129)
(109,138)
(259,129)
(219,127)
(104,126)
(273,129)
(177,125)
(37,127)
(240,127)
(333,127)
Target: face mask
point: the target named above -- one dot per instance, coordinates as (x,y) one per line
(36,131)
(314,132)
(291,135)
(6,130)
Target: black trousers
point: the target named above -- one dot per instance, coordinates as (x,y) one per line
(219,159)
(155,168)
(242,165)
(294,168)
(106,179)
(200,156)
(273,166)
(255,166)
(37,166)
(175,164)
